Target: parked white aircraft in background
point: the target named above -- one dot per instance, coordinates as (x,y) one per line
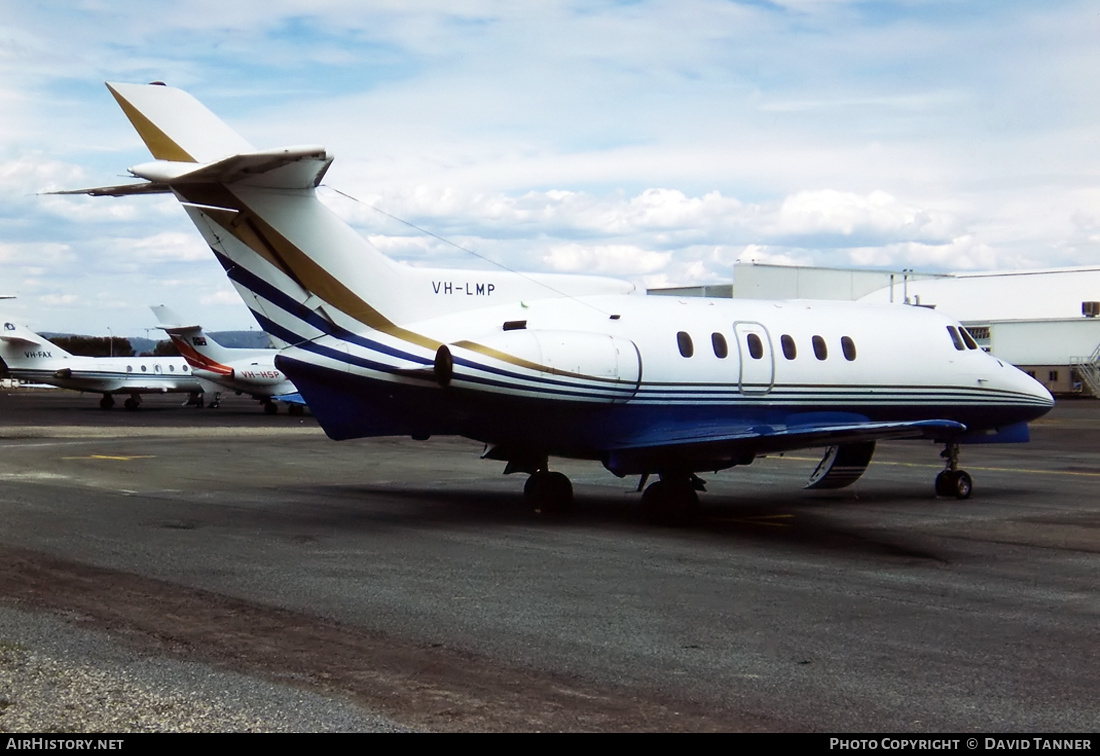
(537,366)
(244,371)
(35,359)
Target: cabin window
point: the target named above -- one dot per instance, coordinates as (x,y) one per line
(849,348)
(820,350)
(144,368)
(130,369)
(970,343)
(789,350)
(683,340)
(171,368)
(184,368)
(756,347)
(721,349)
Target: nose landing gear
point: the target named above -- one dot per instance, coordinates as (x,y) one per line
(953,481)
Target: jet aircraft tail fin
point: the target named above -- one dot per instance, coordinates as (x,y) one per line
(20,347)
(302,271)
(200,350)
(175,126)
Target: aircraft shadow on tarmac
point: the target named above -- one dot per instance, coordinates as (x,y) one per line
(791,519)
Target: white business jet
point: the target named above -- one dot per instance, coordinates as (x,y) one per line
(36,359)
(243,371)
(539,366)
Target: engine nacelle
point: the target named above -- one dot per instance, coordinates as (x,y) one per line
(258,375)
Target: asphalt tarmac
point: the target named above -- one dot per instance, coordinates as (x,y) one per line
(408,580)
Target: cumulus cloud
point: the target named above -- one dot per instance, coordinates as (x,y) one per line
(605,259)
(836,218)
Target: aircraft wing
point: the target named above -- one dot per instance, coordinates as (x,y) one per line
(700,448)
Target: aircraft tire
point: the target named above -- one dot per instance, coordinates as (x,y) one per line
(670,502)
(131,404)
(943,484)
(548,492)
(107,402)
(296,409)
(271,408)
(954,483)
(962,485)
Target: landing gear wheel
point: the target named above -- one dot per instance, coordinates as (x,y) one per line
(943,483)
(132,403)
(962,486)
(271,408)
(548,492)
(107,402)
(953,481)
(296,409)
(957,483)
(670,502)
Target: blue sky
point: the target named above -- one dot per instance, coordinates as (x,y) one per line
(655,141)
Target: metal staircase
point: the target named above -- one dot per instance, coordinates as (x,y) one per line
(1088,369)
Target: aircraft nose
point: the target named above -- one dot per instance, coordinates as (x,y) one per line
(1036,400)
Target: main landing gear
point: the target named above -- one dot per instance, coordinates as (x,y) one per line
(131,403)
(672,500)
(548,491)
(953,481)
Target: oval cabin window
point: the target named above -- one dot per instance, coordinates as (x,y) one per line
(820,350)
(683,340)
(849,348)
(756,347)
(789,350)
(718,342)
